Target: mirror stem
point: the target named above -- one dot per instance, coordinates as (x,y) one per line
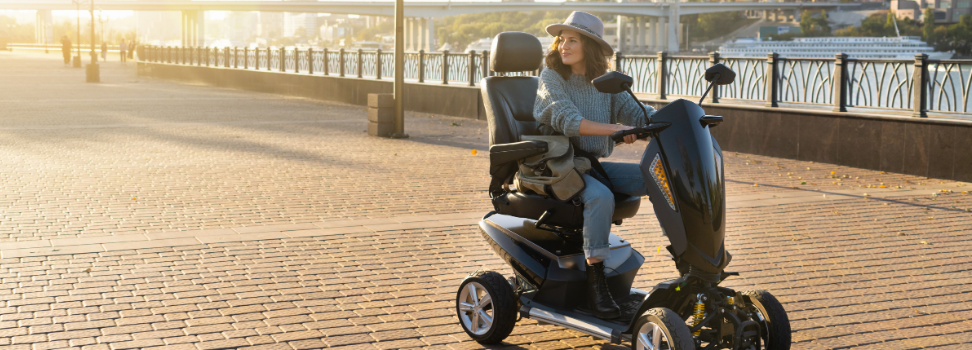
(642,105)
(710,88)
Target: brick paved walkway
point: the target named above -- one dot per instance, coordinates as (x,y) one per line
(139,214)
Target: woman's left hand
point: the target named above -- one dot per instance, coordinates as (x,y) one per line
(629,139)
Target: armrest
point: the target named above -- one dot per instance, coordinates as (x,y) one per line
(511,152)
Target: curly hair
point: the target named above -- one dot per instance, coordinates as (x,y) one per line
(596,63)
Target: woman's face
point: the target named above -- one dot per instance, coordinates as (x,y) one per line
(571,51)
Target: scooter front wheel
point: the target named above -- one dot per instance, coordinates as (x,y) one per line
(486,307)
(774,325)
(661,329)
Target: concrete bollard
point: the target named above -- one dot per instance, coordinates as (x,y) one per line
(381,114)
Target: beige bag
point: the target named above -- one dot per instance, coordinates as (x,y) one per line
(556,173)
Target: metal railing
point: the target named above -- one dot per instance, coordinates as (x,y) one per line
(942,86)
(432,67)
(939,85)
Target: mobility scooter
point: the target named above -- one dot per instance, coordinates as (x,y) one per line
(540,237)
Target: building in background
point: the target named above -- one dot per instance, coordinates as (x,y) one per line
(946,11)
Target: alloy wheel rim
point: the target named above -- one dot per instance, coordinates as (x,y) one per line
(651,337)
(476,308)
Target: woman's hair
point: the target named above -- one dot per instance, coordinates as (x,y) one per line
(596,63)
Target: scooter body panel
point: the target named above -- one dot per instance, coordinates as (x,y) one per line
(557,278)
(692,209)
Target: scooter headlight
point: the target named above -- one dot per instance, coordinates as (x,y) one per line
(661,179)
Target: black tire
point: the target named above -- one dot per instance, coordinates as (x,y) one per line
(774,325)
(501,307)
(677,335)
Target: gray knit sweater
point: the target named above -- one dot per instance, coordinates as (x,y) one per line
(562,104)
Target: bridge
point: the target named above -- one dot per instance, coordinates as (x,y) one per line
(661,31)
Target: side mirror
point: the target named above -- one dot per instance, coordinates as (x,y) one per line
(721,75)
(613,83)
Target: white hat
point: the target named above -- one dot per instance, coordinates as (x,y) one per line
(586,24)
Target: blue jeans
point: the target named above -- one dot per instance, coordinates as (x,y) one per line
(599,203)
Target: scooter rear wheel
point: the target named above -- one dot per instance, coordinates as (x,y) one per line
(486,307)
(661,329)
(774,325)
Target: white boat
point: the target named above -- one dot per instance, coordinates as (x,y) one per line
(902,47)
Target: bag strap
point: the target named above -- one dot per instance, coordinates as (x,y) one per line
(596,165)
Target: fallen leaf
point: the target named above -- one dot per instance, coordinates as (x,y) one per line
(755,185)
(923,242)
(87,270)
(133,198)
(803,183)
(473,152)
(866,195)
(831,173)
(902,234)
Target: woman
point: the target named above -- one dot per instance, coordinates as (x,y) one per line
(569,103)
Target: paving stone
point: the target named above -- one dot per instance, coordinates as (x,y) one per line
(312,235)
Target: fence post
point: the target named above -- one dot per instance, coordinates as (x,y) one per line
(341,59)
(445,67)
(246,57)
(327,70)
(421,66)
(360,62)
(198,53)
(282,61)
(471,67)
(485,63)
(310,60)
(771,80)
(919,86)
(269,55)
(618,60)
(662,74)
(378,65)
(840,82)
(714,94)
(296,60)
(226,60)
(206,50)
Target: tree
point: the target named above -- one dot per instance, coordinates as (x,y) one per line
(928,24)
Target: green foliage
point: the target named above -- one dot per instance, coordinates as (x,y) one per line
(709,26)
(813,25)
(882,25)
(15,32)
(461,30)
(957,37)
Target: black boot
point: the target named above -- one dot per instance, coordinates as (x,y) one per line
(598,294)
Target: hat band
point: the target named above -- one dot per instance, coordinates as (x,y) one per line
(583,27)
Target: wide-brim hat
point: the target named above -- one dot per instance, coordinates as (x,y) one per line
(586,24)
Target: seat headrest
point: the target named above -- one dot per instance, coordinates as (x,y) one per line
(515,52)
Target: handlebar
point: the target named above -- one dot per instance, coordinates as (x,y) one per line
(643,132)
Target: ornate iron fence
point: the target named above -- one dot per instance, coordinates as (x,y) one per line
(918,85)
(949,84)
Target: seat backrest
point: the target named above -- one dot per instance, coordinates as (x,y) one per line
(509,100)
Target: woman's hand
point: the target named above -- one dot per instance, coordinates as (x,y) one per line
(591,128)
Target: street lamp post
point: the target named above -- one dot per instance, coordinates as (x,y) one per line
(92,73)
(77,59)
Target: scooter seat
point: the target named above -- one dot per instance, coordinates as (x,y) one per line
(561,214)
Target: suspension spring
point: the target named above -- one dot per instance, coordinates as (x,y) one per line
(699,313)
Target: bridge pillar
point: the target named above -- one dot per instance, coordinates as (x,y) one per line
(661,39)
(408,35)
(673,27)
(410,41)
(44,27)
(193,28)
(623,34)
(428,33)
(652,34)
